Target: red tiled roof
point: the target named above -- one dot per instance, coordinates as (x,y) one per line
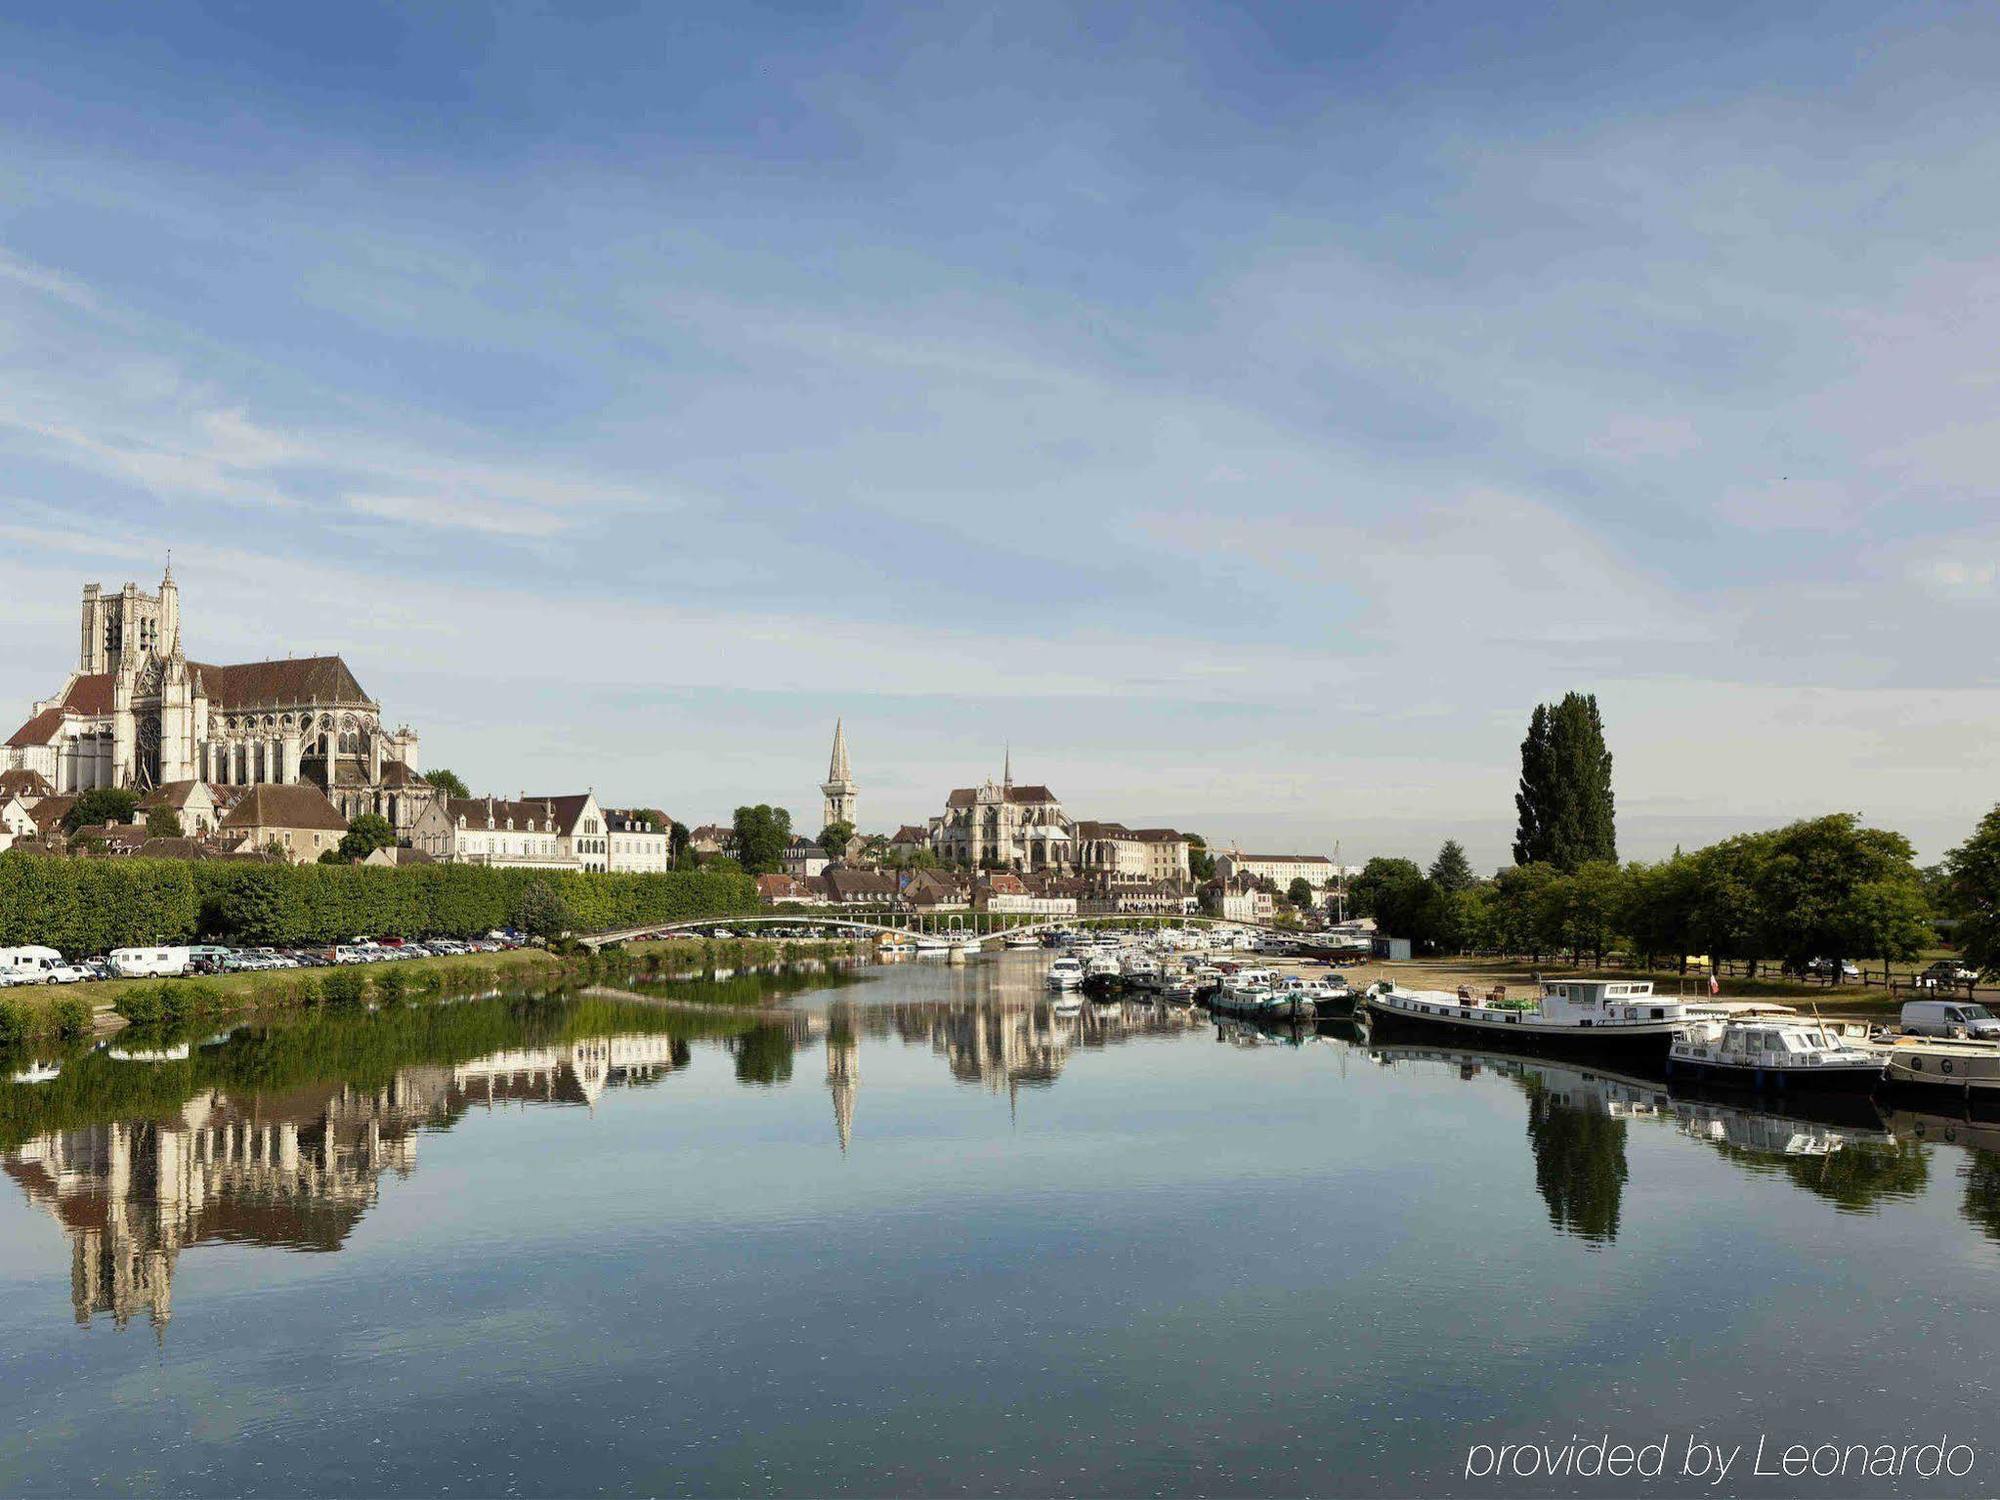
(279,684)
(272,805)
(89,694)
(40,730)
(25,784)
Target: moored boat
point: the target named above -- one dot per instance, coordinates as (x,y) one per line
(1065,973)
(1773,1054)
(1599,1016)
(1967,1071)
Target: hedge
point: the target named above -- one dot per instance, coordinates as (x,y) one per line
(85,906)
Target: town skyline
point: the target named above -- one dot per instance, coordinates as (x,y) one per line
(1249,414)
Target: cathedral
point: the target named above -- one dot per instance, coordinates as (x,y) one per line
(137,713)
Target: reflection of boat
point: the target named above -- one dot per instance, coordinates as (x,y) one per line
(1773,1054)
(178,1052)
(1977,1135)
(39,1072)
(1599,1016)
(1766,1134)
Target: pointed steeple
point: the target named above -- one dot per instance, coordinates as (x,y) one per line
(169,643)
(1007,769)
(837,769)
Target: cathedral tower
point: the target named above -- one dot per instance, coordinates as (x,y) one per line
(839,789)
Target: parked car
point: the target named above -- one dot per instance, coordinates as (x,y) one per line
(1948,971)
(1952,1018)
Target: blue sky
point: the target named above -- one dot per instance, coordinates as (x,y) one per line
(1248,412)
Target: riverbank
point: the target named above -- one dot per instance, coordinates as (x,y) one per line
(42,1014)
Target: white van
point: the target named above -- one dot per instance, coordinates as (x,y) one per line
(29,965)
(149,963)
(1955,1018)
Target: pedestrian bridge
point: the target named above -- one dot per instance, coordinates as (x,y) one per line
(962,929)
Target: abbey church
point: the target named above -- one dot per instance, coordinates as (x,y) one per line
(138,713)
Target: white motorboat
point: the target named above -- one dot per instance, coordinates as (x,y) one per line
(1066,973)
(1774,1054)
(1595,1015)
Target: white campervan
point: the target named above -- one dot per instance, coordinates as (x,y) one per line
(29,965)
(149,963)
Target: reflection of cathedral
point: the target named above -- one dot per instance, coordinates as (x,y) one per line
(137,713)
(297,1171)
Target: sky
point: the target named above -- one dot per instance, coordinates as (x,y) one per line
(1246,413)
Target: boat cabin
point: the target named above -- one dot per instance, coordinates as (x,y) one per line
(1613,999)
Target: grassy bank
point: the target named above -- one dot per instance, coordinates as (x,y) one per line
(47,1014)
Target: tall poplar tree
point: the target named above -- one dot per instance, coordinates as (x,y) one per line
(1567,812)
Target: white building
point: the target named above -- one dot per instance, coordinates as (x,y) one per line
(491,831)
(581,829)
(635,844)
(1005,827)
(1316,870)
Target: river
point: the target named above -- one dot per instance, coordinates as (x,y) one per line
(917,1234)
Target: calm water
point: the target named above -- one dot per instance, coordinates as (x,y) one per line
(925,1237)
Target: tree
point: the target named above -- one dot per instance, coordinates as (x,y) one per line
(1830,888)
(163,823)
(833,839)
(1567,812)
(104,804)
(366,834)
(1520,910)
(1393,892)
(762,832)
(1658,908)
(1973,879)
(1300,893)
(677,846)
(1728,921)
(1201,864)
(541,912)
(1451,871)
(450,783)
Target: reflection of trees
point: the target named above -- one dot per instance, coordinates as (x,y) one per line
(1857,1178)
(764,1056)
(1981,1175)
(1579,1164)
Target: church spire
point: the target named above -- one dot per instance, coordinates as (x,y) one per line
(839,788)
(837,769)
(1007,767)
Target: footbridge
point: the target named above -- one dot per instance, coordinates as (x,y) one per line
(960,929)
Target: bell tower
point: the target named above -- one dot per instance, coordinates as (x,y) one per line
(839,789)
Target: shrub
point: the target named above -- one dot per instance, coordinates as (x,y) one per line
(145,1006)
(15,1023)
(342,987)
(187,1000)
(72,1017)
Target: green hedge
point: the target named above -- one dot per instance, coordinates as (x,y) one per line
(84,906)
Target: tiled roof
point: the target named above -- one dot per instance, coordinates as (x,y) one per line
(533,815)
(90,693)
(396,774)
(277,684)
(25,784)
(1280,859)
(272,805)
(50,811)
(569,809)
(910,833)
(40,730)
(182,848)
(966,796)
(174,794)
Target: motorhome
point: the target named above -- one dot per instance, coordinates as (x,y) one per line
(149,963)
(28,965)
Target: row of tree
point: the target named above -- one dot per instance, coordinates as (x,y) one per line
(1822,888)
(92,906)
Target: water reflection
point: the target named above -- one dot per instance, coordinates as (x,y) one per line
(284,1134)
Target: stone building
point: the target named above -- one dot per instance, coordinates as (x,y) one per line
(1001,826)
(137,712)
(840,791)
